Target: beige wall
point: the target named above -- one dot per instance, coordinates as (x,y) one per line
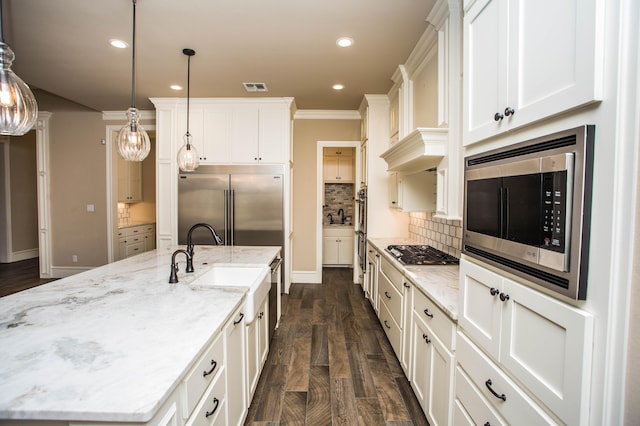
(24,198)
(78,178)
(306,134)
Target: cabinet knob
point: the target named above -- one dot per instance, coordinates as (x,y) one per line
(494,291)
(504,297)
(509,111)
(498,116)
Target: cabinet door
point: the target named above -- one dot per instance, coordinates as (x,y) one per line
(330,250)
(480,307)
(122,248)
(331,169)
(345,251)
(554,58)
(485,67)
(214,146)
(235,354)
(547,345)
(273,140)
(244,134)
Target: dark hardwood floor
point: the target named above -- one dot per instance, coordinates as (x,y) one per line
(18,276)
(330,363)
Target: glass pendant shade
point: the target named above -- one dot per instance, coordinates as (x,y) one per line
(18,107)
(188,157)
(133,141)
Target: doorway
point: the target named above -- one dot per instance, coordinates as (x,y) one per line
(338,178)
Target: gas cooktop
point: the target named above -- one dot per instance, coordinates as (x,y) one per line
(421,255)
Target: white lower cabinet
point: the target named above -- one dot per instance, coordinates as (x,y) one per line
(257,334)
(527,342)
(337,246)
(391,303)
(235,353)
(137,239)
(433,360)
(373,261)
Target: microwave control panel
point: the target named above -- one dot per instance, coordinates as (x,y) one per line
(554,215)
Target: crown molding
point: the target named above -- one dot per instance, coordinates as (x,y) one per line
(325,114)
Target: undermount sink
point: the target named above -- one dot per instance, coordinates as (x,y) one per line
(255,278)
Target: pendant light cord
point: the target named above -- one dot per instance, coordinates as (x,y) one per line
(133,59)
(188,87)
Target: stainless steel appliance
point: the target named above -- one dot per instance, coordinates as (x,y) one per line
(243,203)
(361,229)
(275,295)
(528,209)
(421,255)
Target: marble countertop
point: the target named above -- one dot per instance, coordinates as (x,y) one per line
(439,282)
(112,343)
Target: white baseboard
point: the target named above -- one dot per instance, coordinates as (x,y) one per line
(17,256)
(306,277)
(67,271)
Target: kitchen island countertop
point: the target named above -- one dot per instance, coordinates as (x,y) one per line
(439,282)
(112,343)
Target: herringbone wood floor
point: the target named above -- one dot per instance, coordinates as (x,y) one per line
(330,363)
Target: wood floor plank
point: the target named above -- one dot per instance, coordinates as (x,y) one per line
(319,345)
(338,359)
(269,405)
(298,374)
(389,396)
(390,355)
(294,409)
(369,412)
(343,403)
(319,397)
(411,402)
(363,384)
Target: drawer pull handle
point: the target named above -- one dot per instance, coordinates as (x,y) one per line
(406,285)
(214,364)
(386,293)
(489,383)
(504,297)
(487,424)
(386,324)
(494,291)
(239,319)
(216,401)
(426,338)
(427,313)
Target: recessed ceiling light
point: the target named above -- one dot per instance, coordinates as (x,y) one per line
(118,43)
(175,87)
(344,41)
(338,87)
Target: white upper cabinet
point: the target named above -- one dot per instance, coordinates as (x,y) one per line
(525,61)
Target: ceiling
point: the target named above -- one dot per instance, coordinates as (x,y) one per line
(61,47)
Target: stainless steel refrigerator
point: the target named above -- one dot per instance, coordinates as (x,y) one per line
(244,204)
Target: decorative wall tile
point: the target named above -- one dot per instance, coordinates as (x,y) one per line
(338,196)
(445,235)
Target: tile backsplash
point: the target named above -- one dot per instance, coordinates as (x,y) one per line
(338,196)
(445,235)
(124,214)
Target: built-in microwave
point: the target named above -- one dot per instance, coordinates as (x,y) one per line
(528,209)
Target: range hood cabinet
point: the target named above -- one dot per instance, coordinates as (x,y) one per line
(421,149)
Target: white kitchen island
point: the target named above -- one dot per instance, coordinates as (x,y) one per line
(114,344)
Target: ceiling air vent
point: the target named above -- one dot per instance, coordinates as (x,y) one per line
(255,87)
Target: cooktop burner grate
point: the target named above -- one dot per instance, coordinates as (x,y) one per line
(421,255)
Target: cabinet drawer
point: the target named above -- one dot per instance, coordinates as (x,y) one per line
(437,320)
(391,297)
(391,328)
(133,230)
(394,275)
(211,409)
(517,407)
(208,368)
(133,249)
(474,405)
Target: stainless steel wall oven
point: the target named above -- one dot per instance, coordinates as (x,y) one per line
(528,209)
(361,229)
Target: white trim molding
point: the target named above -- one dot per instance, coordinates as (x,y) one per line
(44,192)
(321,114)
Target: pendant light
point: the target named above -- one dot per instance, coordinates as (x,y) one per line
(188,159)
(18,107)
(133,141)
